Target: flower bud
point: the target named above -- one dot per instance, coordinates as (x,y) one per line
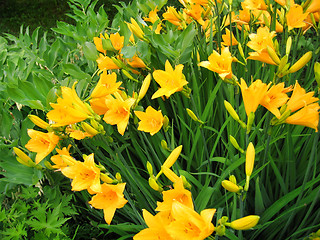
(135,29)
(172,157)
(221,230)
(166,123)
(118,177)
(149,168)
(235,144)
(186,184)
(23,158)
(164,145)
(288,45)
(245,223)
(105,178)
(233,179)
(170,174)
(273,55)
(301,62)
(193,116)
(250,122)
(145,86)
(317,72)
(38,121)
(250,155)
(231,111)
(89,129)
(154,185)
(230,186)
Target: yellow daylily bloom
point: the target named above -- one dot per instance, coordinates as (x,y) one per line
(117,41)
(220,64)
(153,16)
(106,63)
(253,95)
(151,120)
(84,175)
(98,42)
(106,85)
(172,16)
(41,143)
(118,112)
(295,17)
(58,161)
(227,41)
(170,80)
(188,224)
(109,199)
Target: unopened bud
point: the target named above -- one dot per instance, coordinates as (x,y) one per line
(273,55)
(245,223)
(288,45)
(23,158)
(164,145)
(221,230)
(38,121)
(301,62)
(118,177)
(231,110)
(186,184)
(250,121)
(145,86)
(172,157)
(235,144)
(233,179)
(154,185)
(89,129)
(230,186)
(105,178)
(149,168)
(166,123)
(193,116)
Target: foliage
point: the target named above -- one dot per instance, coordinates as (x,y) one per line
(205,122)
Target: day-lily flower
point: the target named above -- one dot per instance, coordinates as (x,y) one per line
(153,16)
(107,85)
(220,64)
(307,116)
(99,106)
(172,16)
(253,95)
(170,80)
(98,42)
(195,11)
(77,133)
(254,4)
(118,112)
(245,223)
(275,98)
(84,175)
(259,42)
(109,199)
(106,63)
(300,98)
(179,193)
(136,62)
(135,28)
(188,224)
(69,108)
(117,41)
(59,163)
(295,17)
(314,7)
(227,41)
(156,226)
(41,143)
(151,120)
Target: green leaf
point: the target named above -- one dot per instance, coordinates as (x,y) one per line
(90,51)
(76,72)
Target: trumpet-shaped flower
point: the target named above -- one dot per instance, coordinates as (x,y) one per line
(275,98)
(220,64)
(41,143)
(69,109)
(136,62)
(151,120)
(172,16)
(295,17)
(300,98)
(254,4)
(156,226)
(117,41)
(252,96)
(109,199)
(153,16)
(259,42)
(99,106)
(107,85)
(106,63)
(98,42)
(227,40)
(118,112)
(84,175)
(314,7)
(179,193)
(170,80)
(59,163)
(188,224)
(307,116)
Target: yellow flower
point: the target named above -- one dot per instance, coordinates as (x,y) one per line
(250,155)
(295,17)
(314,7)
(135,28)
(220,64)
(106,63)
(172,16)
(109,199)
(38,121)
(300,98)
(84,175)
(259,42)
(195,11)
(188,224)
(254,4)
(245,223)
(153,16)
(99,106)
(107,85)
(57,160)
(77,134)
(253,95)
(227,41)
(275,98)
(118,113)
(151,120)
(308,116)
(170,80)
(69,109)
(156,226)
(41,143)
(179,193)
(98,42)
(117,41)
(136,62)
